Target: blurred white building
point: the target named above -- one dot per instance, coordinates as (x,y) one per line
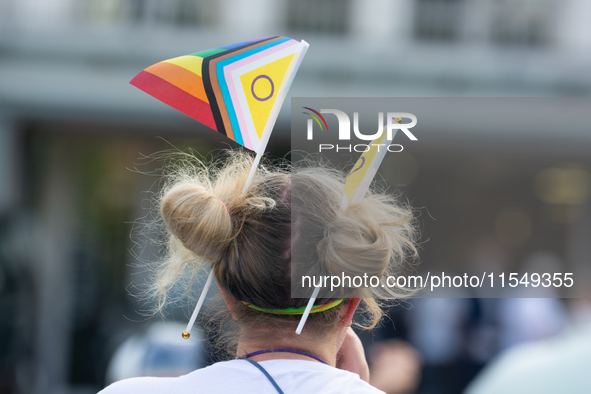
(79,55)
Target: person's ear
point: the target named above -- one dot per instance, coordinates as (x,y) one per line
(349,311)
(228,300)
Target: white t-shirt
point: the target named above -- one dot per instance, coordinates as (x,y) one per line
(240,376)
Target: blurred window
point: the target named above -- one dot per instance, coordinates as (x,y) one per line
(438,20)
(170,12)
(322,16)
(521,22)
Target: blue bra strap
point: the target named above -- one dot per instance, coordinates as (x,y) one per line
(263,370)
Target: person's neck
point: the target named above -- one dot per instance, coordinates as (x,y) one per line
(325,349)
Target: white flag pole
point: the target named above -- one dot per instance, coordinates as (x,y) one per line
(187,332)
(281,94)
(307,311)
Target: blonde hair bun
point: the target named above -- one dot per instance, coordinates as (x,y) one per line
(199,219)
(356,242)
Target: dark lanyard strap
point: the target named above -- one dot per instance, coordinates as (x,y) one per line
(263,370)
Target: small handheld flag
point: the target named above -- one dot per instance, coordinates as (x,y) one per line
(356,185)
(236,90)
(365,169)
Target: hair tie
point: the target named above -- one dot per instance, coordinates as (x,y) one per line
(294,311)
(224,204)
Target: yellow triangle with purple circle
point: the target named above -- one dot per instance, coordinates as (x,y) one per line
(261,86)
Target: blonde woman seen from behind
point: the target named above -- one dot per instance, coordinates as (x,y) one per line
(286,221)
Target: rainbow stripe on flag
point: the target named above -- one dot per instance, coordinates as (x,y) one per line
(236,89)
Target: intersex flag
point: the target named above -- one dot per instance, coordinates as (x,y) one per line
(236,89)
(365,169)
